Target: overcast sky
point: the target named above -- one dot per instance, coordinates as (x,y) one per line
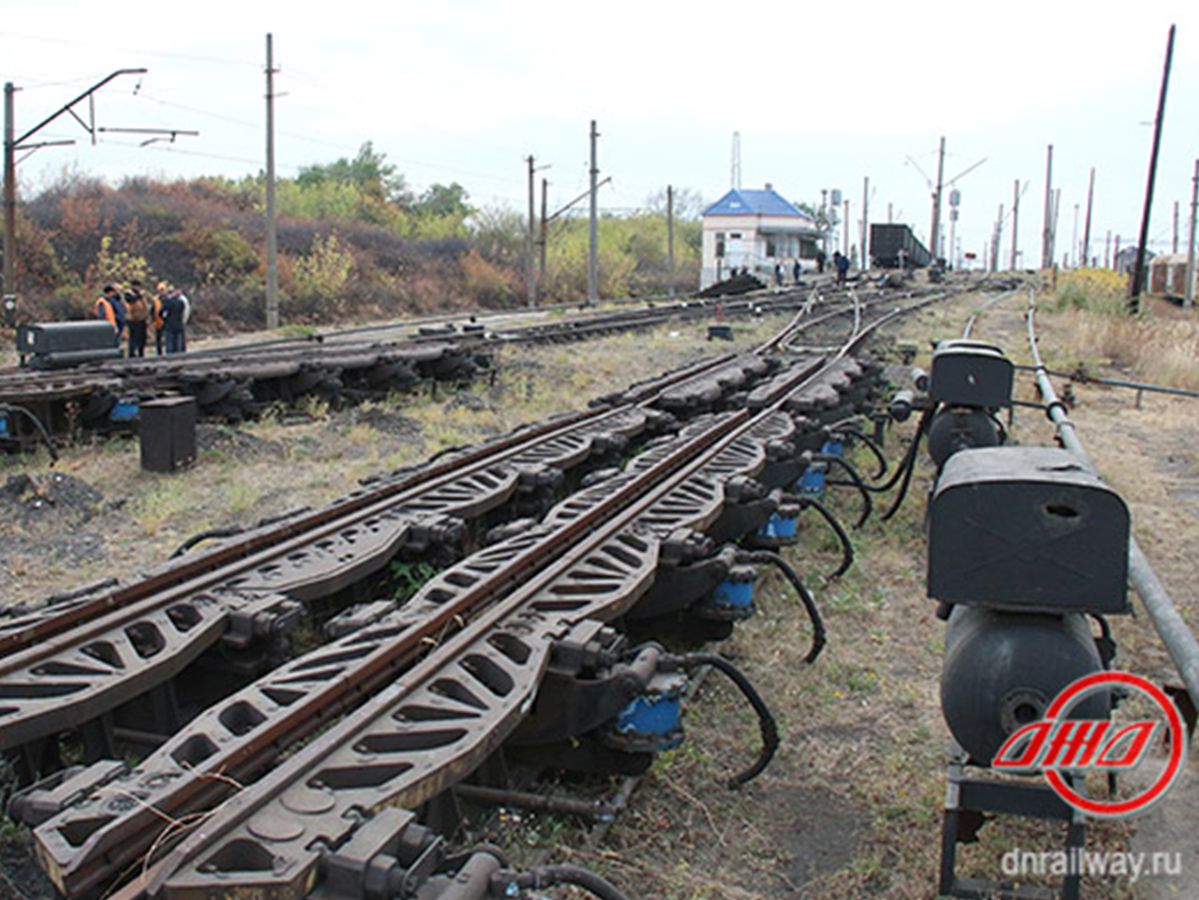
(822,96)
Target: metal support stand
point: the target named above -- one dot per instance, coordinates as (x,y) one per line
(967,802)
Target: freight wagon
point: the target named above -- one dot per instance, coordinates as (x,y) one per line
(888,242)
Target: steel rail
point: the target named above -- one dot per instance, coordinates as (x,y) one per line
(327,704)
(717,440)
(1178,638)
(30,630)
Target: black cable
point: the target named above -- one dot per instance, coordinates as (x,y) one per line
(838,529)
(549,876)
(232,530)
(200,537)
(908,465)
(819,635)
(855,480)
(766,724)
(872,446)
(37,424)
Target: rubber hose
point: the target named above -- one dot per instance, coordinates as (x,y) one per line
(37,423)
(819,635)
(548,876)
(838,529)
(909,465)
(855,480)
(873,447)
(766,724)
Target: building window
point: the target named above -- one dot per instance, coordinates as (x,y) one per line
(770,248)
(720,245)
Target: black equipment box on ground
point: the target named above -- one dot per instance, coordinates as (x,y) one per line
(168,433)
(1027,528)
(54,345)
(970,373)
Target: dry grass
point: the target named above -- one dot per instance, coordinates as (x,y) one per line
(1159,346)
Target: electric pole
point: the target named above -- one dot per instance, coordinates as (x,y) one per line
(593,245)
(1189,293)
(13,144)
(1086,229)
(10,211)
(996,240)
(845,233)
(670,235)
(272,235)
(935,230)
(1174,246)
(1047,228)
(530,241)
(865,205)
(544,232)
(1015,220)
(1138,274)
(1074,237)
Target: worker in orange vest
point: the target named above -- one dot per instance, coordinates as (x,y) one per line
(159,325)
(110,307)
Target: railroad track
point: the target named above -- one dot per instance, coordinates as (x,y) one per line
(239,382)
(470,649)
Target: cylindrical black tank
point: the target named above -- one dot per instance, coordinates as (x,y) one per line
(958,428)
(1002,670)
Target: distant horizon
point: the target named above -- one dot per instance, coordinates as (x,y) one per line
(466,91)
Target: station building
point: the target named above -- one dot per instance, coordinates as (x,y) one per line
(754,229)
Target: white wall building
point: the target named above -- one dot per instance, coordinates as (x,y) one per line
(755,230)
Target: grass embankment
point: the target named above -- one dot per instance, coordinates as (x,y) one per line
(1160,345)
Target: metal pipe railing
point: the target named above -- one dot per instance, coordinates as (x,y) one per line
(1175,634)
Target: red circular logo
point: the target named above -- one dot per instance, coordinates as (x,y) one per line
(1114,809)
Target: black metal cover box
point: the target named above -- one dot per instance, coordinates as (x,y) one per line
(1027,528)
(969,373)
(167,430)
(65,337)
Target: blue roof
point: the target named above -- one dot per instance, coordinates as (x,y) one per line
(739,202)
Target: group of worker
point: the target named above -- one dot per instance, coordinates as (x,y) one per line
(168,310)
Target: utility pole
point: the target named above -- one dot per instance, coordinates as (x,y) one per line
(13,144)
(1174,246)
(10,211)
(995,241)
(1138,273)
(1086,229)
(1189,293)
(1074,237)
(735,164)
(1107,251)
(865,205)
(530,245)
(670,234)
(1057,208)
(593,245)
(845,233)
(1047,228)
(935,230)
(890,220)
(272,236)
(544,232)
(1015,220)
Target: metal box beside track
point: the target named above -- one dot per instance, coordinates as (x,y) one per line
(167,433)
(54,345)
(970,373)
(1029,529)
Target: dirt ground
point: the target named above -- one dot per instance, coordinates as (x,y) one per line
(851,804)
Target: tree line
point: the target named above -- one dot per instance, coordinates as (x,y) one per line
(355,243)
